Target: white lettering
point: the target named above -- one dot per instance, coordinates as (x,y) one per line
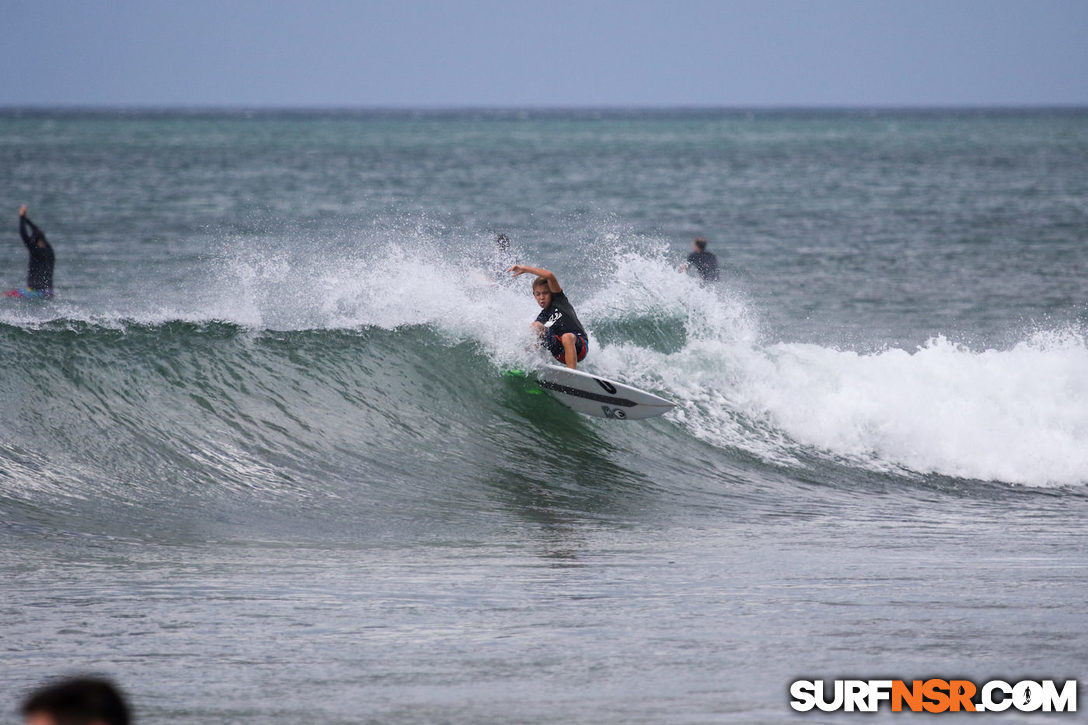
(855,695)
(988,699)
(1027,696)
(1064,701)
(879,690)
(804,695)
(821,697)
(994,696)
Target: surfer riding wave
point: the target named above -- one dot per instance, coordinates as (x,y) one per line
(557,324)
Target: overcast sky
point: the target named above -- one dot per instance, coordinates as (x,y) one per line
(546,53)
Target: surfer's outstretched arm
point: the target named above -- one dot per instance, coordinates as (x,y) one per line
(553,283)
(24,223)
(27,229)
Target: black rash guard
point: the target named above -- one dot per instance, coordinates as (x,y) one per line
(559,317)
(706,264)
(39,276)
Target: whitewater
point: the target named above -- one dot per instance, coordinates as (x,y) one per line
(1014,415)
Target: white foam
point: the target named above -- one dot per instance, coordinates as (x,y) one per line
(402,279)
(1018,415)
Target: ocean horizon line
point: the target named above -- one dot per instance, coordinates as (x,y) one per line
(535,112)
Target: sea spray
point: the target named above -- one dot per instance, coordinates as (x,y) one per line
(1015,415)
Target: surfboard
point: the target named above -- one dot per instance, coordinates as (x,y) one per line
(27,294)
(600,397)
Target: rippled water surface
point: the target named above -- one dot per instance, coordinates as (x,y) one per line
(259,462)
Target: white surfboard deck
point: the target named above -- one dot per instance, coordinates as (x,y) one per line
(600,397)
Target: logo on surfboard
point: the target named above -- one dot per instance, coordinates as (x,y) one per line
(614,413)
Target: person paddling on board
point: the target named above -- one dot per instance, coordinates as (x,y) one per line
(557,324)
(39,276)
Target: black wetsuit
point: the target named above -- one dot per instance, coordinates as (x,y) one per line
(706,264)
(559,318)
(39,276)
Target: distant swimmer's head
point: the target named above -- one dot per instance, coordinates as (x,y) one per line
(503,242)
(700,244)
(542,292)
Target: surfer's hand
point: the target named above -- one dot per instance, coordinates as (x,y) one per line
(22,210)
(517,269)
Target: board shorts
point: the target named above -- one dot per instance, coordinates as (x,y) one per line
(30,293)
(555,346)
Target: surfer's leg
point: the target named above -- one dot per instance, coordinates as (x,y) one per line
(570,355)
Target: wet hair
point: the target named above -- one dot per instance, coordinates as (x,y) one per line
(79,701)
(540,282)
(700,244)
(503,241)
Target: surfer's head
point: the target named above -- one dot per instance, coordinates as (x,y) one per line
(542,292)
(700,244)
(502,242)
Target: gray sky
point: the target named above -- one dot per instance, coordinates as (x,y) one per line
(517,53)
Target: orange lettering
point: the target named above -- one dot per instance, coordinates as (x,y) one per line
(912,695)
(961,693)
(936,691)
